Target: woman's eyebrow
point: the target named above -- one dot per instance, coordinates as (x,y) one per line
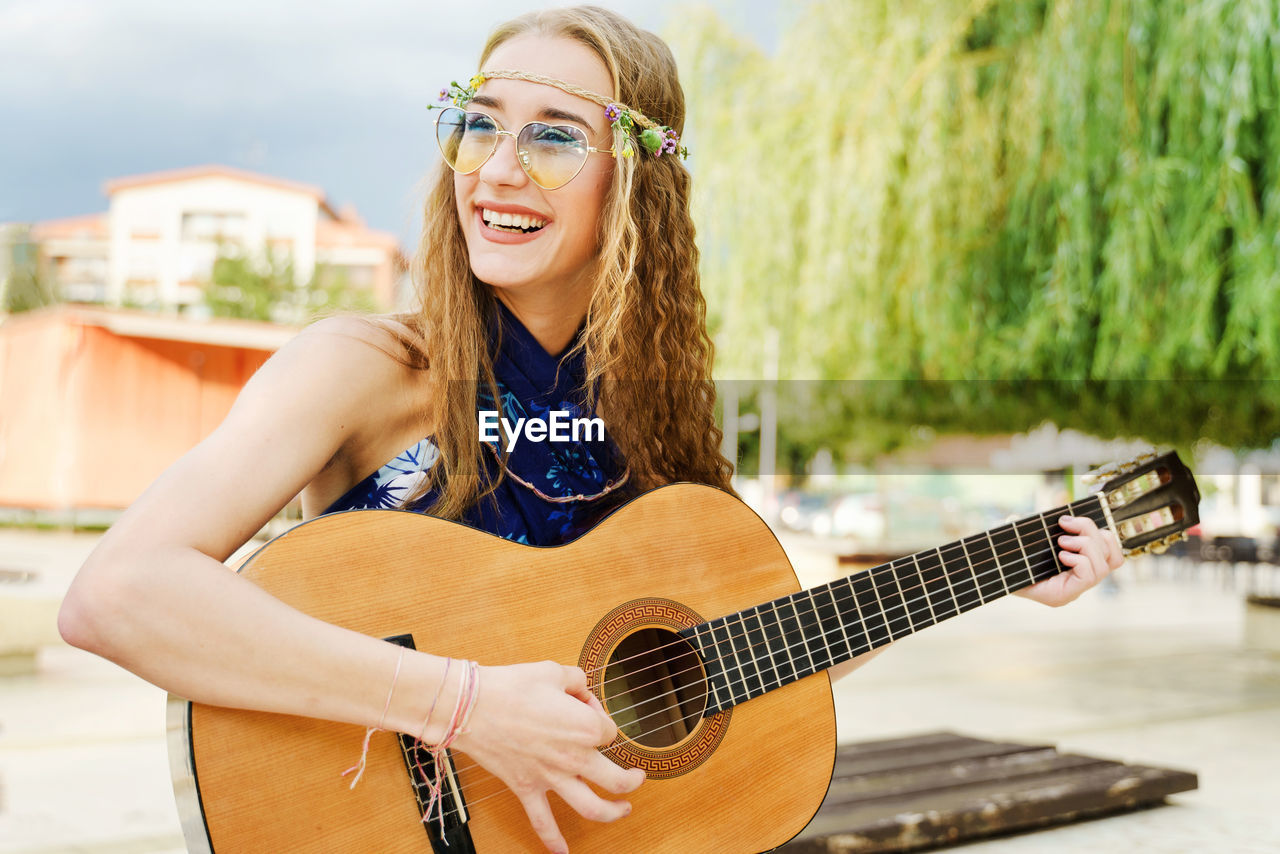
(548,112)
(564,116)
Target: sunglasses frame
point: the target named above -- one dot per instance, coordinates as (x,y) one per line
(522,156)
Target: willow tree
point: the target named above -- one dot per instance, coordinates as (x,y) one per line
(988,214)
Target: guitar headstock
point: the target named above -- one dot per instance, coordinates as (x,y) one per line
(1152,501)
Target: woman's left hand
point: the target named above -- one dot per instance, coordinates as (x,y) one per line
(1089,554)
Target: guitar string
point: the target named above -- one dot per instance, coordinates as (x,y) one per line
(503,789)
(851,597)
(888,568)
(1042,518)
(907,614)
(869,645)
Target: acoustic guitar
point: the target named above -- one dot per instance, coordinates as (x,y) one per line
(689,621)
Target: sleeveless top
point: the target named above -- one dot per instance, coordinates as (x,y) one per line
(532,384)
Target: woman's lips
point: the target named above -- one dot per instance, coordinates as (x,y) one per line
(497,235)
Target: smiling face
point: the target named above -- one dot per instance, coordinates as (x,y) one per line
(558,256)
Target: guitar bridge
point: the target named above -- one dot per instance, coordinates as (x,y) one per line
(445,820)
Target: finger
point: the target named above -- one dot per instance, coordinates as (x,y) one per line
(543,821)
(1077,524)
(1095,547)
(1092,545)
(1067,586)
(612,777)
(608,729)
(588,804)
(1115,553)
(574,679)
(1082,557)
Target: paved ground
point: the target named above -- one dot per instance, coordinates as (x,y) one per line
(1153,672)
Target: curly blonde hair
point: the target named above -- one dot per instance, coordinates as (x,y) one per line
(645,344)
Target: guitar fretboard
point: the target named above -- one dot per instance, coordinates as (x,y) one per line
(773,644)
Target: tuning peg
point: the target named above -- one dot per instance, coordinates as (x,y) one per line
(1100,474)
(1157,546)
(1111,470)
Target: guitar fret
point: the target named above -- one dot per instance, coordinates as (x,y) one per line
(752,680)
(995,551)
(713,667)
(811,629)
(902,597)
(728,654)
(978,565)
(759,642)
(946,574)
(857,615)
(823,634)
(792,672)
(882,583)
(933,572)
(807,665)
(1005,543)
(1056,566)
(873,621)
(933,618)
(829,620)
(1025,557)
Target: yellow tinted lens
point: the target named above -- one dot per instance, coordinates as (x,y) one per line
(552,155)
(466,139)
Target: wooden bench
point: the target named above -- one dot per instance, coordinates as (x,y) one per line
(927,791)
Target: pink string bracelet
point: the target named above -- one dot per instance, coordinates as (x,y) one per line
(368,733)
(468,691)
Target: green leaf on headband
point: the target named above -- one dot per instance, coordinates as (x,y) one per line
(651,140)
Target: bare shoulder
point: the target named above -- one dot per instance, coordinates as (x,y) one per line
(374,364)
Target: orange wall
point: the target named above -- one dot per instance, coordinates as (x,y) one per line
(98,416)
(34,357)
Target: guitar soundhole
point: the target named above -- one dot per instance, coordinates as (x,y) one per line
(655,689)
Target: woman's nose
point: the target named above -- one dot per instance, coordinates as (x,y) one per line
(506,166)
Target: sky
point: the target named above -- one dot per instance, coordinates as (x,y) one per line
(330,94)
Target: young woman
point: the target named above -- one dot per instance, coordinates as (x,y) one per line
(557,267)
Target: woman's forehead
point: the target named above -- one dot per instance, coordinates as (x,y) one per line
(556,57)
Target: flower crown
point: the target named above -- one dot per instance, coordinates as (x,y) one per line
(654,138)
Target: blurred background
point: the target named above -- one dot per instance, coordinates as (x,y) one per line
(956,253)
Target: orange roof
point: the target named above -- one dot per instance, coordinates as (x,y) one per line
(333,233)
(131,323)
(212,170)
(92,226)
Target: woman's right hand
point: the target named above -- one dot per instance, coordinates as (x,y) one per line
(537,727)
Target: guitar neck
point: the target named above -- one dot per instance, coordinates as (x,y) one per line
(773,644)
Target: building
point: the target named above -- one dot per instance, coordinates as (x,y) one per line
(156,244)
(97,402)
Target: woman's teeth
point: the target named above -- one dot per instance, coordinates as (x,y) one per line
(523,223)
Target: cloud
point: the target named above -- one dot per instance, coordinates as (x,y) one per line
(332,94)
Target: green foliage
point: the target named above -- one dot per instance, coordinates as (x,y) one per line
(265,288)
(25,287)
(938,192)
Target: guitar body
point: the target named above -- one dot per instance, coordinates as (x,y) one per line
(745,779)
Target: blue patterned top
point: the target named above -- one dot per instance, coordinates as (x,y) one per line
(531,384)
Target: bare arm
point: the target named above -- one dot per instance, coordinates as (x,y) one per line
(155,598)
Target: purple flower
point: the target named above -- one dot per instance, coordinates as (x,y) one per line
(444,94)
(612,112)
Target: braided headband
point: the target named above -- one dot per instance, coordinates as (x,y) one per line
(654,138)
